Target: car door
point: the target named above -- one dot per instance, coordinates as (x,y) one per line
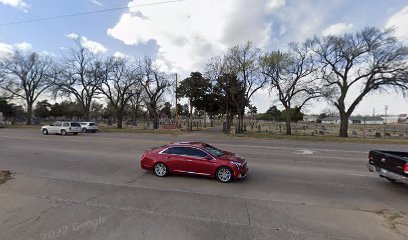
(200,162)
(65,126)
(55,127)
(176,159)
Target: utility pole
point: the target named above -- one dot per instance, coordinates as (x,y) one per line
(176,103)
(385,117)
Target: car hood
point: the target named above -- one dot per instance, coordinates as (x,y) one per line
(229,156)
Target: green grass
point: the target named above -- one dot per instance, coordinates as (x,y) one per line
(138,130)
(24,126)
(322,138)
(111,129)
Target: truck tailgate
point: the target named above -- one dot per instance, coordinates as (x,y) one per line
(387,161)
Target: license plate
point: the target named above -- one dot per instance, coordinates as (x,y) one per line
(383,171)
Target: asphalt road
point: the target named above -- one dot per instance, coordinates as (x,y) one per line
(92,187)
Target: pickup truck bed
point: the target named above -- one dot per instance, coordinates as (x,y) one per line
(389,164)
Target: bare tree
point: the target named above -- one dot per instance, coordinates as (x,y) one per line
(242,61)
(154,83)
(77,77)
(369,59)
(26,76)
(118,84)
(291,75)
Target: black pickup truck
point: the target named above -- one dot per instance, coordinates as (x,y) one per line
(389,164)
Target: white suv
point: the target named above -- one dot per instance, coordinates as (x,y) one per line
(89,127)
(63,128)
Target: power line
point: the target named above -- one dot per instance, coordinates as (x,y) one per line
(87,13)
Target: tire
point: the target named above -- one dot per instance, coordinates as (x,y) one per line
(45,131)
(63,132)
(75,134)
(84,130)
(224,174)
(160,169)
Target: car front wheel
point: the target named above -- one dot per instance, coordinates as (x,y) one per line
(160,169)
(45,131)
(84,130)
(224,174)
(63,132)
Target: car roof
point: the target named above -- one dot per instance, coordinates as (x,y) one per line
(188,143)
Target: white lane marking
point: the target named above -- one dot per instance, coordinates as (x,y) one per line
(304,152)
(360,175)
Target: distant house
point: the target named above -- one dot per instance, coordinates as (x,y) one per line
(354,120)
(310,118)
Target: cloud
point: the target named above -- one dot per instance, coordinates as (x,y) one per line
(399,22)
(24,46)
(120,55)
(93,46)
(187,35)
(96,2)
(72,36)
(275,4)
(337,29)
(20,4)
(6,50)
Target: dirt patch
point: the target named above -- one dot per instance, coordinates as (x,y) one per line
(4,176)
(397,221)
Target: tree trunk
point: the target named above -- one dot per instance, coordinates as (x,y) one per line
(119,117)
(156,120)
(29,113)
(344,118)
(288,122)
(211,120)
(227,120)
(241,119)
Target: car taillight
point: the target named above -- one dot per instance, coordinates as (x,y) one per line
(406,168)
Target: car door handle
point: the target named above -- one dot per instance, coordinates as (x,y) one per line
(189,160)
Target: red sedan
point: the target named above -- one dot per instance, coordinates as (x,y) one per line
(194,158)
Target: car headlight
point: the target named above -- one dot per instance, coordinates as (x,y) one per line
(237,164)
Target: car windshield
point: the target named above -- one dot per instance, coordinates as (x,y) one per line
(213,150)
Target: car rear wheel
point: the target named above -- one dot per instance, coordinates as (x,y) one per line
(224,174)
(63,132)
(160,169)
(45,131)
(84,130)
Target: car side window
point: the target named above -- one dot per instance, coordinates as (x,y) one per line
(194,152)
(176,151)
(65,124)
(57,124)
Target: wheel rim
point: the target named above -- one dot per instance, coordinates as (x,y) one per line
(160,169)
(45,131)
(83,129)
(63,132)
(224,175)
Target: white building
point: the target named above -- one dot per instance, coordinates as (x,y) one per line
(310,118)
(354,120)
